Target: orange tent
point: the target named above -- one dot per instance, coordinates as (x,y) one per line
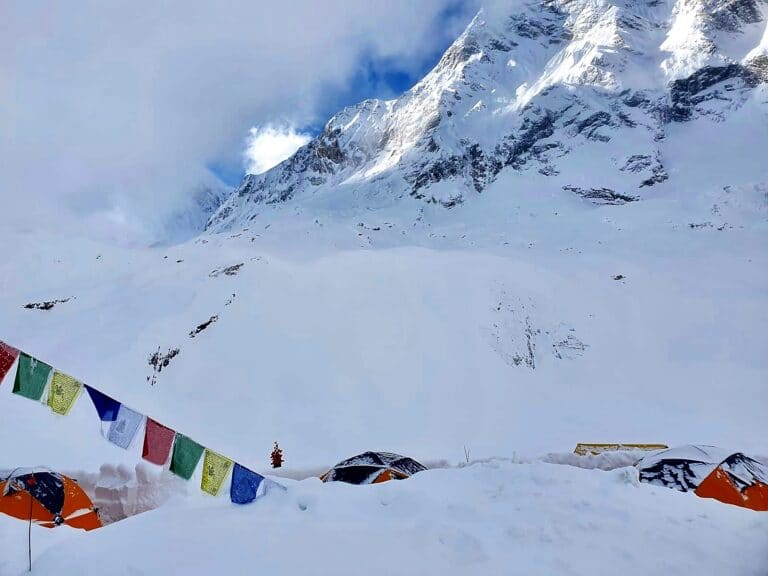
(48,499)
(709,472)
(737,480)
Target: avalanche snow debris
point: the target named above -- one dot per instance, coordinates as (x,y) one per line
(570,348)
(513,335)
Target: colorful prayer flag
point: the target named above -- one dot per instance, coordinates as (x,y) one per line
(215,470)
(158,441)
(8,355)
(105,406)
(245,485)
(186,455)
(123,430)
(63,393)
(31,377)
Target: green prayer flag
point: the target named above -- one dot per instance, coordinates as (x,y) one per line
(31,377)
(186,455)
(215,470)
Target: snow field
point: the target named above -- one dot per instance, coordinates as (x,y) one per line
(492,518)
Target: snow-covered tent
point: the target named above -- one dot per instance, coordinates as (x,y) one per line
(46,498)
(709,472)
(373,468)
(682,468)
(738,480)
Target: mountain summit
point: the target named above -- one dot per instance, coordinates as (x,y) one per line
(581,92)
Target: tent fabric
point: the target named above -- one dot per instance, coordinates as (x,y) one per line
(709,472)
(738,480)
(52,500)
(8,355)
(158,441)
(745,471)
(125,427)
(31,377)
(692,452)
(45,487)
(106,407)
(186,455)
(245,485)
(65,390)
(682,468)
(215,470)
(357,474)
(403,463)
(683,475)
(373,468)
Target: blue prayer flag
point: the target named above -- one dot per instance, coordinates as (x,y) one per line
(105,406)
(245,484)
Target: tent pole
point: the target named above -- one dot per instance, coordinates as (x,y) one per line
(29,534)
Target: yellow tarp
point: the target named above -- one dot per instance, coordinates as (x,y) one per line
(63,393)
(583,449)
(215,470)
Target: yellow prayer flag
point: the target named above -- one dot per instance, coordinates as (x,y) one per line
(63,393)
(215,470)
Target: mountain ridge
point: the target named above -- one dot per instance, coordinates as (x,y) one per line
(519,90)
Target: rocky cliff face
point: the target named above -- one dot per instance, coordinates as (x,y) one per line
(580,91)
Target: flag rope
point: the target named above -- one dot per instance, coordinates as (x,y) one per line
(122,431)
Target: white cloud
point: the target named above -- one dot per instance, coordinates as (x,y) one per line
(124,103)
(269,145)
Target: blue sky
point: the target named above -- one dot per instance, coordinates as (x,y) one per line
(129,105)
(373,77)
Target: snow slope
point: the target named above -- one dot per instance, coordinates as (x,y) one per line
(496,518)
(607,283)
(505,331)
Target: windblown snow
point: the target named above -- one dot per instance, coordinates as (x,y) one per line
(558,235)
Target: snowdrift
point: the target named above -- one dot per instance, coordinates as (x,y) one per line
(495,518)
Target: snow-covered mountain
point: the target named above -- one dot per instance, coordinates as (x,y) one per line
(558,236)
(528,88)
(190,219)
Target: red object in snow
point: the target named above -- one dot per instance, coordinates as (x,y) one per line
(277,456)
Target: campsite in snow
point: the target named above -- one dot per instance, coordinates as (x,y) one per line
(457,287)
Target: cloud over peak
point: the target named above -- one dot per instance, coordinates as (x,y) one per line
(122,105)
(269,145)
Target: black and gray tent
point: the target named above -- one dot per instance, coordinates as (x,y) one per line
(373,468)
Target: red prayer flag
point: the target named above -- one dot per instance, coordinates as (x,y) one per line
(8,355)
(158,441)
